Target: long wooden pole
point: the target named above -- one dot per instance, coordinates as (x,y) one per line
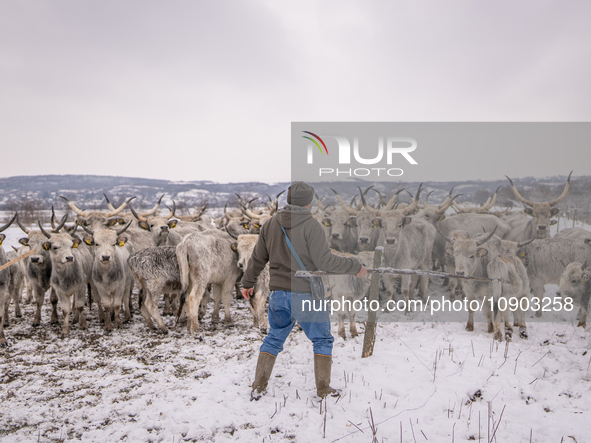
(369,338)
(16,260)
(306,274)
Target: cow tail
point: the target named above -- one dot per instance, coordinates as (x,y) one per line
(183,260)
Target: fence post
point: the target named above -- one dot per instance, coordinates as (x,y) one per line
(369,338)
(575,217)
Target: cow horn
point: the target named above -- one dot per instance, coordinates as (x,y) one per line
(172,211)
(154,210)
(109,205)
(410,208)
(138,216)
(321,207)
(5,227)
(201,211)
(275,205)
(20,225)
(446,204)
(426,202)
(234,236)
(61,225)
(121,231)
(88,230)
(383,201)
(390,204)
(366,206)
(74,208)
(247,212)
(346,208)
(120,208)
(226,216)
(43,230)
(53,218)
(524,243)
(490,204)
(449,240)
(566,188)
(518,195)
(487,238)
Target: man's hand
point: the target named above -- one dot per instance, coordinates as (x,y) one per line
(247,293)
(361,273)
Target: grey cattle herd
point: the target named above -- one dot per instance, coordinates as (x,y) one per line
(103,255)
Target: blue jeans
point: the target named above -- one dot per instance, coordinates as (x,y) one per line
(282,317)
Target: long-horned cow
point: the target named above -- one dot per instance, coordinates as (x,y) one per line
(39,269)
(4,282)
(547,259)
(244,246)
(575,282)
(538,225)
(71,262)
(204,258)
(110,273)
(409,243)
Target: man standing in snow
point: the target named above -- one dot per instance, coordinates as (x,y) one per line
(310,244)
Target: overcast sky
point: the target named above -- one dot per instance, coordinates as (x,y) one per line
(194,90)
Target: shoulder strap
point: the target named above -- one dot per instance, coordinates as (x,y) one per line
(291,248)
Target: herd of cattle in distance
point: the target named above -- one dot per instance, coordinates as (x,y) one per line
(103,255)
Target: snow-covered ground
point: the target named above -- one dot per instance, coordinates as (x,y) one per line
(427,381)
(430,381)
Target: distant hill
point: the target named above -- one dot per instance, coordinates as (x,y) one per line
(34,193)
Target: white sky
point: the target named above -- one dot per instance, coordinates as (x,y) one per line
(195,90)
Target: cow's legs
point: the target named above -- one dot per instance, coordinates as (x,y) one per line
(74,310)
(150,310)
(470,324)
(538,289)
(5,310)
(192,305)
(54,300)
(80,308)
(39,298)
(226,289)
(167,308)
(406,281)
(352,327)
(64,300)
(2,313)
(16,296)
(107,306)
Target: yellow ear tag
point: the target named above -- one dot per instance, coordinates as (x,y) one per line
(121,243)
(245,225)
(173,225)
(88,241)
(257,226)
(75,245)
(234,247)
(45,246)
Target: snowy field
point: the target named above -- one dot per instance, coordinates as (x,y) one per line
(427,381)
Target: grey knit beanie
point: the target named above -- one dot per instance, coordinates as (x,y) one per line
(300,194)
